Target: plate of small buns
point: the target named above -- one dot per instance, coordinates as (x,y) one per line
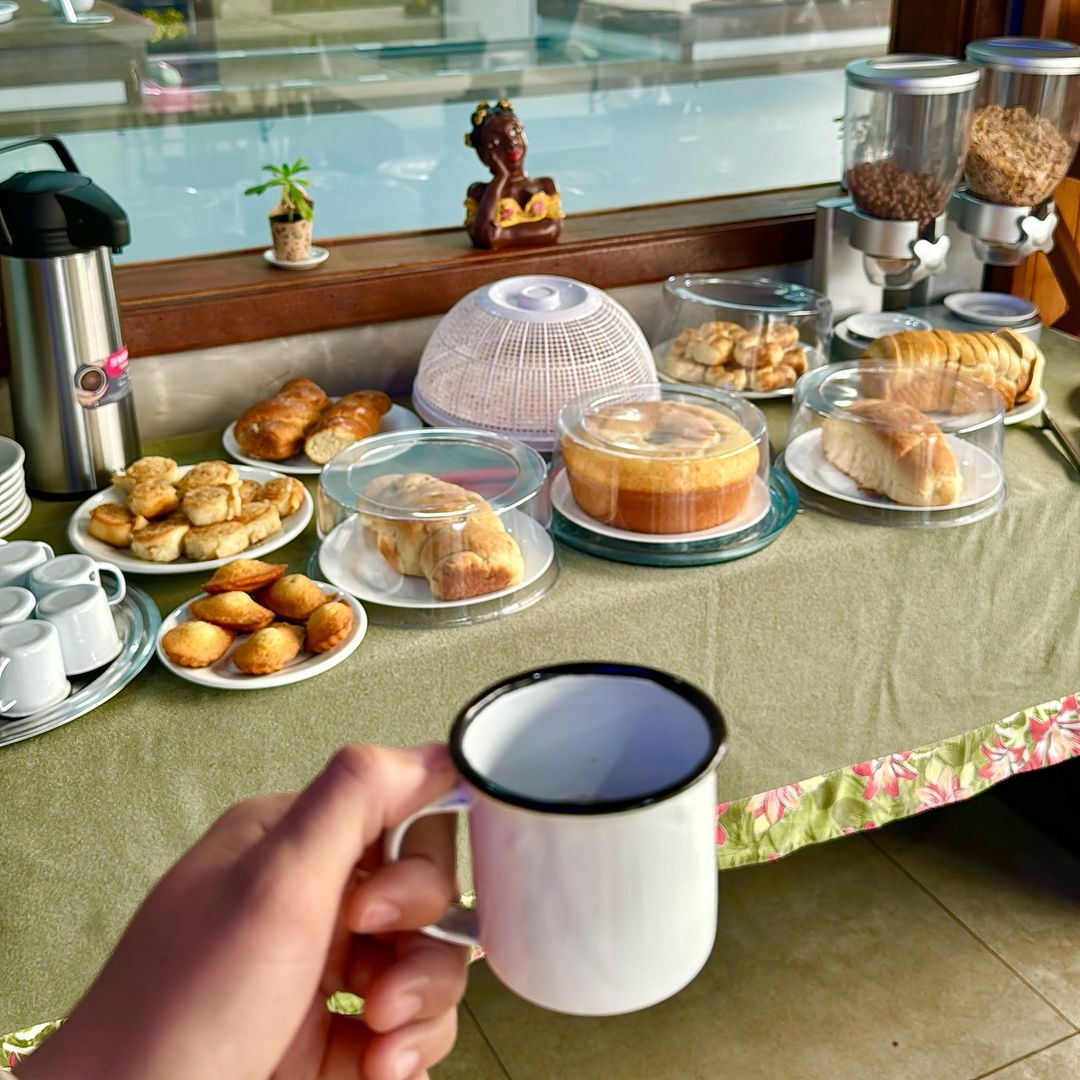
(301,427)
(257,626)
(161,518)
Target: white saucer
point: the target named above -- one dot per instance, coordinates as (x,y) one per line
(870,325)
(12,500)
(316,258)
(757,506)
(991,308)
(81,540)
(17,518)
(1027,411)
(7,10)
(350,559)
(397,419)
(750,395)
(980,472)
(224,675)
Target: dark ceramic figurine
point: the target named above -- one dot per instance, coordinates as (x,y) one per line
(512,209)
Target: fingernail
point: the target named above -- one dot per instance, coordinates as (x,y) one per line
(409,1006)
(408,1061)
(381,915)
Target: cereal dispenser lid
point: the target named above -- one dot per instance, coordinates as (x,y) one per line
(1026,55)
(913,73)
(539,298)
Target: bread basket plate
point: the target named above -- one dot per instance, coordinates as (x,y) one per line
(225,675)
(750,395)
(397,419)
(350,559)
(991,308)
(81,540)
(1028,411)
(981,475)
(757,506)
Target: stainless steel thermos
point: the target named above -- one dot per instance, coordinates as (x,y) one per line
(70,388)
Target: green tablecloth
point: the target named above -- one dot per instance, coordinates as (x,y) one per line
(837,646)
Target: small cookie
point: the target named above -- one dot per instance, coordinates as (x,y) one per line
(196,644)
(160,541)
(261,520)
(113,524)
(216,541)
(285,492)
(213,503)
(245,575)
(233,610)
(205,474)
(146,468)
(269,650)
(249,491)
(294,597)
(153,499)
(328,626)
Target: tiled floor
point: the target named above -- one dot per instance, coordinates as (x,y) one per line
(944,947)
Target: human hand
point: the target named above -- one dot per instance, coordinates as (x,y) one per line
(226,967)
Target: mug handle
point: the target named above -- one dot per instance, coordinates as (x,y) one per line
(459,925)
(50,554)
(5,706)
(121,584)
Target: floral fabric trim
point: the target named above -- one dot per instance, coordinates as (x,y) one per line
(881,790)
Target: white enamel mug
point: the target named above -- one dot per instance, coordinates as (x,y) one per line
(19,557)
(84,621)
(591,795)
(16,604)
(67,570)
(31,669)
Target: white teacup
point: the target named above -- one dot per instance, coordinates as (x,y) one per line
(591,796)
(16,604)
(31,668)
(84,621)
(66,570)
(19,557)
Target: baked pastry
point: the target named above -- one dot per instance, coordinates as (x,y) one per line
(306,390)
(146,468)
(285,493)
(268,650)
(354,417)
(260,519)
(661,466)
(894,450)
(212,503)
(160,541)
(114,524)
(274,430)
(328,626)
(293,597)
(196,644)
(729,356)
(205,474)
(249,491)
(471,558)
(244,575)
(153,498)
(215,541)
(233,610)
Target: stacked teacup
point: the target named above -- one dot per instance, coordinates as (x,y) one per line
(14,502)
(55,624)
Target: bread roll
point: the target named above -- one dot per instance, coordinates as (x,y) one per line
(354,417)
(275,429)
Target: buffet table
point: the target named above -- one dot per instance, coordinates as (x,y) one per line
(865,674)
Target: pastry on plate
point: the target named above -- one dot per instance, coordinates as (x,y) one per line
(249,491)
(160,541)
(205,474)
(274,429)
(329,625)
(114,524)
(294,597)
(215,541)
(660,466)
(146,468)
(474,558)
(244,575)
(153,499)
(233,610)
(212,503)
(269,650)
(196,644)
(354,417)
(285,493)
(260,519)
(893,449)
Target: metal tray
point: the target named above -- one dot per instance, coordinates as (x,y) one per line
(137,621)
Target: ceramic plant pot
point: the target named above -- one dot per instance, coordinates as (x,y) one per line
(291,236)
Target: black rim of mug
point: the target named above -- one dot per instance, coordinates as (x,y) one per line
(705,706)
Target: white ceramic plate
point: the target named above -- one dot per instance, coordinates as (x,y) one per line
(350,559)
(12,500)
(1026,412)
(397,419)
(317,257)
(990,308)
(17,518)
(981,474)
(870,325)
(757,506)
(750,395)
(7,10)
(81,540)
(224,675)
(13,484)
(12,459)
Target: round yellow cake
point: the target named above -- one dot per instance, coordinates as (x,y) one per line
(660,466)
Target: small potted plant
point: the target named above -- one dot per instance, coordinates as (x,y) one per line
(290,220)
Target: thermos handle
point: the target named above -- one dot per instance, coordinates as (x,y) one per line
(62,153)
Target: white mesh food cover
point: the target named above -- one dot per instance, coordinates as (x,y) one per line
(508,356)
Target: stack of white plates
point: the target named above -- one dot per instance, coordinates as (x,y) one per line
(14,502)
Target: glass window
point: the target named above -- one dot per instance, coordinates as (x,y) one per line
(173,106)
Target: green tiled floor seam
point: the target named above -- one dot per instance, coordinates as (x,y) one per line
(487,1042)
(1026,1057)
(986,945)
